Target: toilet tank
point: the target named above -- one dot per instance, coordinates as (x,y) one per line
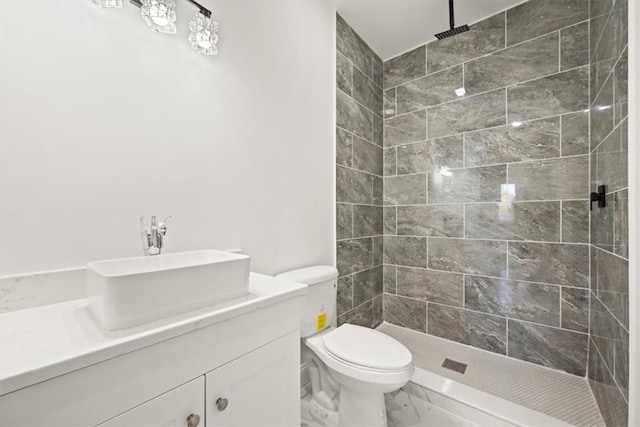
(318,309)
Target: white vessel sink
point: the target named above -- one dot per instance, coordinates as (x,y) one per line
(131,291)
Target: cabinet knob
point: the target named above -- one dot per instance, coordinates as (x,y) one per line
(193,420)
(222,403)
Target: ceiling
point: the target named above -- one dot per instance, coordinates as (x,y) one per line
(391,27)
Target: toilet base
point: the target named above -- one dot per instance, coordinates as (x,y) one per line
(358,409)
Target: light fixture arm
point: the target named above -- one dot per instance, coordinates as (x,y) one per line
(203,10)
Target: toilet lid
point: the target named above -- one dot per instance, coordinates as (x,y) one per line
(367,347)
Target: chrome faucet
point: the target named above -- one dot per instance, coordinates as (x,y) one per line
(153,240)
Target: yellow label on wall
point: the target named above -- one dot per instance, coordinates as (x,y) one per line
(322,321)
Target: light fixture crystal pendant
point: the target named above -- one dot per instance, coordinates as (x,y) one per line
(108,3)
(160,15)
(204,34)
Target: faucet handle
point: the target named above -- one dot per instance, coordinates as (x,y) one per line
(162,226)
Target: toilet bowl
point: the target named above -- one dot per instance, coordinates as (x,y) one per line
(363,362)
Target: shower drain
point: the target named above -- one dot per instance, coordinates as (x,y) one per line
(454,365)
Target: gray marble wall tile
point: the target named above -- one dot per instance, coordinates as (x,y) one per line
(429,285)
(555,263)
(575,309)
(575,133)
(538,139)
(574,46)
(407,251)
(600,7)
(467,114)
(621,366)
(378,70)
(389,218)
(442,220)
(367,156)
(467,327)
(378,190)
(366,92)
(353,117)
(378,311)
(344,71)
(560,93)
(621,88)
(353,186)
(389,279)
(389,98)
(467,185)
(431,90)
(349,43)
(345,294)
(520,221)
(575,221)
(621,223)
(481,257)
(361,315)
(378,250)
(405,312)
(405,129)
(602,225)
(604,324)
(551,347)
(390,161)
(485,37)
(600,71)
(378,131)
(405,189)
(556,179)
(614,36)
(344,148)
(367,220)
(526,61)
(520,300)
(612,284)
(537,17)
(591,366)
(366,285)
(612,163)
(344,221)
(610,400)
(431,155)
(602,113)
(354,255)
(405,67)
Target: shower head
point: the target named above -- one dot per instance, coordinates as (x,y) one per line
(453,30)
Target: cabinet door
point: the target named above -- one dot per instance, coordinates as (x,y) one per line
(261,388)
(170,409)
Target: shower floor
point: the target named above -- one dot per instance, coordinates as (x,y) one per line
(551,392)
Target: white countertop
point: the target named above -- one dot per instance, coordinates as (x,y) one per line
(41,343)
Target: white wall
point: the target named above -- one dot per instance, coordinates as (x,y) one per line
(103,121)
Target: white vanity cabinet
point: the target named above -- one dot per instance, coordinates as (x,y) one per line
(171,409)
(255,390)
(249,359)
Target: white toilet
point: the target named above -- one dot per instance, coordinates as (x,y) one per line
(351,367)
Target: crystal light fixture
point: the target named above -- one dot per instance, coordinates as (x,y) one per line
(204,34)
(160,15)
(108,3)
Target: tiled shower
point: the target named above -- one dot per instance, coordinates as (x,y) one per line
(464,171)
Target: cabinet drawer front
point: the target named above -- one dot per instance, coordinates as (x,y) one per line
(170,409)
(261,388)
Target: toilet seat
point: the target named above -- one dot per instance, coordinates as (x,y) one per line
(353,370)
(367,348)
